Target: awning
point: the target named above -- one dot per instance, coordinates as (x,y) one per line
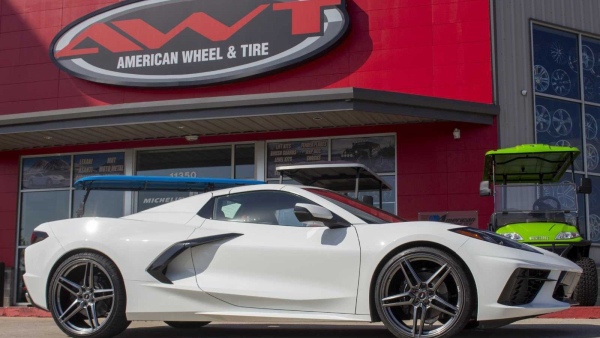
(273,112)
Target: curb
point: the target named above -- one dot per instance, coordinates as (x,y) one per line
(576,312)
(583,312)
(23,311)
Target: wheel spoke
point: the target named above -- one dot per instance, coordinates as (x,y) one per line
(90,275)
(437,273)
(415,316)
(412,272)
(69,285)
(422,323)
(106,294)
(71,311)
(92,316)
(405,294)
(445,307)
(441,279)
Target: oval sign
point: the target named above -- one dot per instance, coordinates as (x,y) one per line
(167,43)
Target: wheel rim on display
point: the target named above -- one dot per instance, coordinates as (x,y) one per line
(561,83)
(563,143)
(591,127)
(562,122)
(558,53)
(541,78)
(542,119)
(594,227)
(565,194)
(83,297)
(587,58)
(592,157)
(573,60)
(422,295)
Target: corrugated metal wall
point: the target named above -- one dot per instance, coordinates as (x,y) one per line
(513,55)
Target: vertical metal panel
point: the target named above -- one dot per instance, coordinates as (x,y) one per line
(513,56)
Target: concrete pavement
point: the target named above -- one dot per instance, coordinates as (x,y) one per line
(531,328)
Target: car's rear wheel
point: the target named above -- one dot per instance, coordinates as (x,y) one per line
(187,325)
(87,297)
(424,292)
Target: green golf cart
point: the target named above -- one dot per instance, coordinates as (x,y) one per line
(533,204)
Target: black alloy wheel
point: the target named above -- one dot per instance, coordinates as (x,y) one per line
(87,297)
(424,292)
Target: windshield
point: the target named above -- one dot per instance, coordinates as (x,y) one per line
(559,197)
(367,213)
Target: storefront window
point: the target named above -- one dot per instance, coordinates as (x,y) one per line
(566,115)
(594,222)
(39,207)
(46,172)
(197,162)
(46,189)
(294,152)
(591,69)
(559,123)
(378,153)
(556,62)
(244,161)
(99,204)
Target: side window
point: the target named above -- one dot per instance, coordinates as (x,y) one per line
(263,207)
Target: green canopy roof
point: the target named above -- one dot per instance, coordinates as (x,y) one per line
(529,163)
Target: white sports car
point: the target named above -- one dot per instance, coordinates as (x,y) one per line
(281,253)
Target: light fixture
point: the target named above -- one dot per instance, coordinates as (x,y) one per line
(191,138)
(48,137)
(456,133)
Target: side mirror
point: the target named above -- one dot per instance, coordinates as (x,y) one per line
(367,199)
(484,188)
(310,212)
(585,186)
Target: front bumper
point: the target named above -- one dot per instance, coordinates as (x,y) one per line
(506,288)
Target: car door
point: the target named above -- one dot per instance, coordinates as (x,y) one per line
(277,262)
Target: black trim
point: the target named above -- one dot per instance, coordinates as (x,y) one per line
(158,267)
(492,324)
(523,286)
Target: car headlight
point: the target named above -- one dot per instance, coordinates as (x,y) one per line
(513,235)
(491,237)
(567,235)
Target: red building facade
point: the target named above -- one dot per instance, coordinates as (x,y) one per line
(411,71)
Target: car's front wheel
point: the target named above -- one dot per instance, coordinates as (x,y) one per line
(424,292)
(87,297)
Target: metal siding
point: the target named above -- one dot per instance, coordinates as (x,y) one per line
(513,49)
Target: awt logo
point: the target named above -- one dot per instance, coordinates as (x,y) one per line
(162,43)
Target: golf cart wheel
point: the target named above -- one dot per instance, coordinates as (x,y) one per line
(587,289)
(424,292)
(187,325)
(86,297)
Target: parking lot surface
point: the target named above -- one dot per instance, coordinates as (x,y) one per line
(532,328)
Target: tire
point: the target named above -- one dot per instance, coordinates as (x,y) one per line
(187,325)
(88,307)
(586,291)
(424,292)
